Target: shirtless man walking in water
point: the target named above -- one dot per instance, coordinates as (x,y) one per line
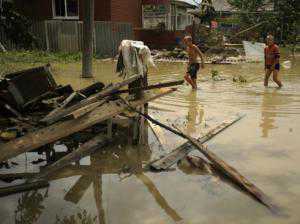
(193,64)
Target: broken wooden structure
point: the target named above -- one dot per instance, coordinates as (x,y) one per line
(86,113)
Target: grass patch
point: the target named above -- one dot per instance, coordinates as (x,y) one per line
(12,61)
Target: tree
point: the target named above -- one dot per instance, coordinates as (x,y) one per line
(281,21)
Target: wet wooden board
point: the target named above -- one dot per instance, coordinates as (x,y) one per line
(4,191)
(173,157)
(62,129)
(233,174)
(85,149)
(59,113)
(78,189)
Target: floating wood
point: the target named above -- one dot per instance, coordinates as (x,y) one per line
(155,86)
(232,173)
(4,191)
(62,129)
(78,189)
(9,177)
(85,149)
(173,157)
(55,116)
(221,165)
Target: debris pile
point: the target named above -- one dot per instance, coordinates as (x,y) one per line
(36,119)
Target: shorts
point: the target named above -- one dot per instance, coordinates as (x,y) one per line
(277,67)
(193,70)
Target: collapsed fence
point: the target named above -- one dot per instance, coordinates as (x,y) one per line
(66,36)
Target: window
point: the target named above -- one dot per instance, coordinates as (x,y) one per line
(67,9)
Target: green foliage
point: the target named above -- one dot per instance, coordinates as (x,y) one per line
(282,22)
(29,207)
(207,11)
(38,57)
(17,60)
(17,27)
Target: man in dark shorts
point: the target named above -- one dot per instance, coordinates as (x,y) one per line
(193,64)
(272,64)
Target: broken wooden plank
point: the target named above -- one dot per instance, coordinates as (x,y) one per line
(9,177)
(173,157)
(55,116)
(85,149)
(59,130)
(5,191)
(154,86)
(232,173)
(84,110)
(219,164)
(78,189)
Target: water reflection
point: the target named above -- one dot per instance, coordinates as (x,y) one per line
(268,113)
(30,207)
(195,112)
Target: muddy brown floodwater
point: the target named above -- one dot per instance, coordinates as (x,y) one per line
(263,146)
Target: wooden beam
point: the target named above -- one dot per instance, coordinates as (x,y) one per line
(78,189)
(4,191)
(57,114)
(173,157)
(85,149)
(60,130)
(233,174)
(221,165)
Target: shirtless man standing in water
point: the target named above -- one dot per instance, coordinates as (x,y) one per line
(193,65)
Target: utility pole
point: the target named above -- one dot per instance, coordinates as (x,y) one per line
(88,31)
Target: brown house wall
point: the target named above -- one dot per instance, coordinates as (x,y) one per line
(127,11)
(105,10)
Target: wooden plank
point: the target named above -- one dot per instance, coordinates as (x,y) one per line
(4,191)
(232,173)
(220,165)
(84,110)
(58,114)
(9,177)
(59,130)
(173,157)
(85,149)
(78,189)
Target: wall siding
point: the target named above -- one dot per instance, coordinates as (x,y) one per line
(127,11)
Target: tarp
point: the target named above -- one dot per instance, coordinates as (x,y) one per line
(254,50)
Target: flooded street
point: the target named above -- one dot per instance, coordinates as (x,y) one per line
(263,146)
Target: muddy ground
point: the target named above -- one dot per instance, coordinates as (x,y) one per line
(263,146)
